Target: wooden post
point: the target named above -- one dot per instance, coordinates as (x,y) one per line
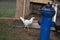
(22,8)
(19,8)
(27,7)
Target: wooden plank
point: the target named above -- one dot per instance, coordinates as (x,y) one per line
(19,8)
(15,19)
(24,6)
(40,1)
(5,18)
(27,7)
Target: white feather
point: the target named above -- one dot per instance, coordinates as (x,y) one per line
(27,22)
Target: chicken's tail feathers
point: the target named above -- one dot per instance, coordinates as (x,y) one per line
(22,18)
(32,18)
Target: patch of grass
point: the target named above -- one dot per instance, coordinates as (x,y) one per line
(6,11)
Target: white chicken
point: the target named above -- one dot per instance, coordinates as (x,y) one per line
(27,22)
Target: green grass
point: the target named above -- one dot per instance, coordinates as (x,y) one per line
(6,11)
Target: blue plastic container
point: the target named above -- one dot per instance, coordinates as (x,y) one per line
(46,22)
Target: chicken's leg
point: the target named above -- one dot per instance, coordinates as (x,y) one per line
(27,28)
(24,28)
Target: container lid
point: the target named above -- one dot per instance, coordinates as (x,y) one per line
(48,7)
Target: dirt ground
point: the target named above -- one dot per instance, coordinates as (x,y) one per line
(8,32)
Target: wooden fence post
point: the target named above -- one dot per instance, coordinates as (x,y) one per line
(19,8)
(27,7)
(22,8)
